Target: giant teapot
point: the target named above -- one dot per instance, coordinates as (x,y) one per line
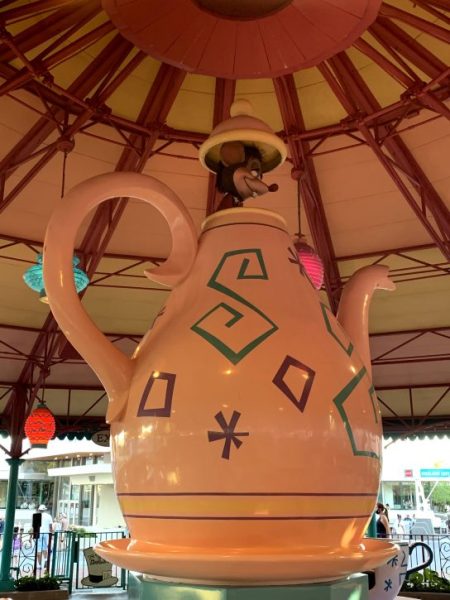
(246,417)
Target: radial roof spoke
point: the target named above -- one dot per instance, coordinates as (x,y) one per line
(408,47)
(421,24)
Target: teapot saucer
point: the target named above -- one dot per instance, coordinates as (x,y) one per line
(269,566)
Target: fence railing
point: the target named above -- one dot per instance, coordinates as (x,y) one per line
(440,546)
(64,555)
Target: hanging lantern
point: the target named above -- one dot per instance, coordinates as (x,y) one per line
(311,262)
(40,426)
(34,278)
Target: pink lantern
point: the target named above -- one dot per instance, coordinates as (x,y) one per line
(311,262)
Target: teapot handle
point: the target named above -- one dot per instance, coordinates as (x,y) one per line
(113,367)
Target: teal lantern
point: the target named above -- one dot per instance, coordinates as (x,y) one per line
(34,278)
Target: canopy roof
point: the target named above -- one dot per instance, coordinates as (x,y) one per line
(368,139)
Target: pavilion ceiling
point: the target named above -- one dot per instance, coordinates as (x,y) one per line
(368,138)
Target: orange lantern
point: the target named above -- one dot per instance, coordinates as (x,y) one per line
(40,426)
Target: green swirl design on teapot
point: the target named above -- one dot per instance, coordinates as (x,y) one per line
(201,326)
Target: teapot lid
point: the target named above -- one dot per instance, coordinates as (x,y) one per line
(255,216)
(243,127)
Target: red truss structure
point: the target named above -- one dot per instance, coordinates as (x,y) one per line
(366,125)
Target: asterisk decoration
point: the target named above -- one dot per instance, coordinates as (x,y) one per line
(388,584)
(228,433)
(393,561)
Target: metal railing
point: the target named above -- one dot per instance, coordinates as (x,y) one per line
(63,555)
(440,546)
(81,571)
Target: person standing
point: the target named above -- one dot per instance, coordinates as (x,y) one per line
(44,539)
(64,526)
(407,525)
(382,522)
(398,529)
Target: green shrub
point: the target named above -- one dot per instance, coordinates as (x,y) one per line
(81,531)
(430,581)
(34,584)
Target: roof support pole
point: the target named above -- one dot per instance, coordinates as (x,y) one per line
(304,172)
(15,429)
(6,583)
(223,99)
(402,162)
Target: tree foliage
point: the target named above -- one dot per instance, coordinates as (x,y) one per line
(440,496)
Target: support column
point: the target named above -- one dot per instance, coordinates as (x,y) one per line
(6,583)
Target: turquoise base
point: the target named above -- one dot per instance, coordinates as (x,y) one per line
(351,588)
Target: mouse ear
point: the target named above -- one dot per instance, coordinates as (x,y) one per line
(232,153)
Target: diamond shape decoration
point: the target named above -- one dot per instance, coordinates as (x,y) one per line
(339,401)
(165,410)
(335,330)
(305,376)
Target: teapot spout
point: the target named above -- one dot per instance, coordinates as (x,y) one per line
(353,312)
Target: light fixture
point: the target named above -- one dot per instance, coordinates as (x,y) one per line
(307,256)
(311,261)
(34,278)
(40,426)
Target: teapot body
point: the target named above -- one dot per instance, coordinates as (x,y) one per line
(250,421)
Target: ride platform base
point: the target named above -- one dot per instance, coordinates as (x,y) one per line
(354,587)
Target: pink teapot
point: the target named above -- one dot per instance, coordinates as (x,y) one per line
(245,424)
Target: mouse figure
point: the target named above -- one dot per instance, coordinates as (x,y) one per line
(239,174)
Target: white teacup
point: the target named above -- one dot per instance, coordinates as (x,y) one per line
(385,581)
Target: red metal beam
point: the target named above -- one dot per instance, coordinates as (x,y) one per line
(223,99)
(417,386)
(438,3)
(384,63)
(414,87)
(38,68)
(408,106)
(304,172)
(385,252)
(31,9)
(432,11)
(15,419)
(54,24)
(110,58)
(106,218)
(435,405)
(407,46)
(432,29)
(153,114)
(357,90)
